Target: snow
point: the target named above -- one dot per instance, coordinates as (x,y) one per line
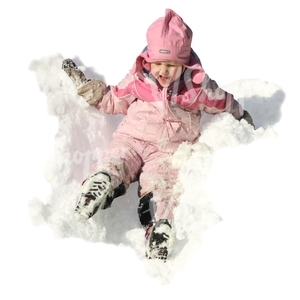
(238,221)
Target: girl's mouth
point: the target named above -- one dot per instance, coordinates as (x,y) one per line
(163,79)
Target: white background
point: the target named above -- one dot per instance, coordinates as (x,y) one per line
(235,40)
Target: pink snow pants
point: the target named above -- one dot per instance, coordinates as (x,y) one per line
(128,160)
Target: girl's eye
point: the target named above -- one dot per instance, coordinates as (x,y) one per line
(166,65)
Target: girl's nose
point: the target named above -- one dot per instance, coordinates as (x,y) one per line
(164,70)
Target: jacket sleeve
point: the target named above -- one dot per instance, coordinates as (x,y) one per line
(117,98)
(215,100)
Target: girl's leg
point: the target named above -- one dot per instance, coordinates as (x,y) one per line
(157,180)
(109,178)
(157,204)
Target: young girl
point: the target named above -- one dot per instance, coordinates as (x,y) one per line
(162,98)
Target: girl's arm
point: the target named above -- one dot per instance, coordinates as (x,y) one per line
(117,98)
(214,99)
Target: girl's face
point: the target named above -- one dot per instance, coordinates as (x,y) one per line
(166,72)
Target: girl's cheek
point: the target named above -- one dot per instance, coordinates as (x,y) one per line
(154,73)
(179,72)
(176,74)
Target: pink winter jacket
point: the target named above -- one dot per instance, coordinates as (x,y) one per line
(166,116)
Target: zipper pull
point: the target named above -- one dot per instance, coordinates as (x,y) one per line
(169,94)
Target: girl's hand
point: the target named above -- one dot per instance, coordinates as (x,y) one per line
(92,91)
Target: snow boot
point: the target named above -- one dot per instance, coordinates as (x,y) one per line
(146,210)
(97,192)
(74,72)
(160,240)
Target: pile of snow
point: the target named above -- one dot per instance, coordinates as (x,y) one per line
(83,133)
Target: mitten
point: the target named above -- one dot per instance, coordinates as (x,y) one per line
(73,72)
(246,116)
(92,91)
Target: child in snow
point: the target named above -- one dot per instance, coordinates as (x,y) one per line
(162,98)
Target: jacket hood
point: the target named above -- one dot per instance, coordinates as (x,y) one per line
(194,66)
(169,39)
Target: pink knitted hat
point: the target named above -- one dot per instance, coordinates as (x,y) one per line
(169,38)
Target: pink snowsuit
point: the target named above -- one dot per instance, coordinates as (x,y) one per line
(157,120)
